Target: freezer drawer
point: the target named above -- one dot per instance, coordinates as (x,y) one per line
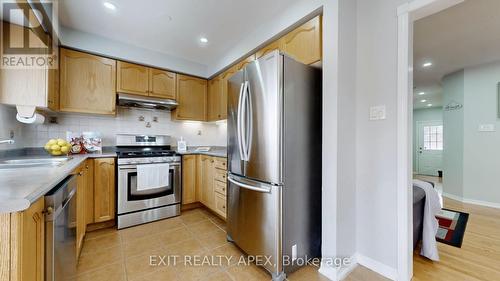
(254,220)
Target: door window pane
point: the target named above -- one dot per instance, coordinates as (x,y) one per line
(433,137)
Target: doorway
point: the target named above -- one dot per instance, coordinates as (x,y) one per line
(429,148)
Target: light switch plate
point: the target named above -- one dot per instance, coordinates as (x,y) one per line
(486,127)
(377,112)
(294,252)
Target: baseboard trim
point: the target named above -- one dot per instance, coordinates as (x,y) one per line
(328,271)
(378,267)
(344,271)
(472,201)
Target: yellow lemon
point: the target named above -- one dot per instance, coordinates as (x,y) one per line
(55,147)
(56,152)
(61,142)
(64,149)
(47,147)
(52,142)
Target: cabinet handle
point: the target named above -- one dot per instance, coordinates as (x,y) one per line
(80,173)
(48,211)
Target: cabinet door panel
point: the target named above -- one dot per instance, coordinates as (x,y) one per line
(192,98)
(224,80)
(132,79)
(304,43)
(87,83)
(214,107)
(81,225)
(162,84)
(104,189)
(89,191)
(188,179)
(32,248)
(276,45)
(207,181)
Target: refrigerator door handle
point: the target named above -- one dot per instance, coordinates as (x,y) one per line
(250,187)
(238,122)
(244,116)
(249,124)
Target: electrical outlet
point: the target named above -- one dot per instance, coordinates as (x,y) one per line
(199,132)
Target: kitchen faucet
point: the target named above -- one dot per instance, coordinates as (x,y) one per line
(9,141)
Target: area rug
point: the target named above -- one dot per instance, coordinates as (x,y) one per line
(451,227)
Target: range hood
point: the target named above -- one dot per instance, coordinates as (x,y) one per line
(146,102)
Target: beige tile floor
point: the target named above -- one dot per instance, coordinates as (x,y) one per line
(124,255)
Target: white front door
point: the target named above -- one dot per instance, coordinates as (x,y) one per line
(429,147)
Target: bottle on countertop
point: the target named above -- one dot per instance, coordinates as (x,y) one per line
(181,145)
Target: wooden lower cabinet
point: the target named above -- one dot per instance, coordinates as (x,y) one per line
(22,244)
(204,181)
(81,207)
(104,189)
(189,179)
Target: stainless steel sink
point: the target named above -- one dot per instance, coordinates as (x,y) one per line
(33,162)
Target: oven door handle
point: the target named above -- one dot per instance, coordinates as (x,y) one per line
(134,166)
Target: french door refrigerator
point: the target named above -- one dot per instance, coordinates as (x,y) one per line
(274,162)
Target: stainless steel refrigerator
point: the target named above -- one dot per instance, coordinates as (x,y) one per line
(274,162)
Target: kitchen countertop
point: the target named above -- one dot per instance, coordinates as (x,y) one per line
(217,151)
(22,186)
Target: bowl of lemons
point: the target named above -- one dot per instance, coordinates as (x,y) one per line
(58,147)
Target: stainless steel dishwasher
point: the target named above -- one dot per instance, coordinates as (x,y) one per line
(60,231)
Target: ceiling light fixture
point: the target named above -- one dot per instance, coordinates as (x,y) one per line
(427,64)
(421,93)
(203,40)
(423,100)
(429,105)
(109,6)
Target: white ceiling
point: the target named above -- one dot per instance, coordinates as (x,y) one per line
(465,35)
(172,27)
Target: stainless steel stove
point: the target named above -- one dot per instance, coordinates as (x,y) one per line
(137,205)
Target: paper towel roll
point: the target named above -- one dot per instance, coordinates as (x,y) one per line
(35,119)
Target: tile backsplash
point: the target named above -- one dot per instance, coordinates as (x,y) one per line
(9,123)
(127,121)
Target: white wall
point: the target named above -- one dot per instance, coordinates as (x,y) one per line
(126,121)
(481,149)
(104,46)
(453,134)
(346,111)
(423,114)
(472,158)
(9,123)
(376,154)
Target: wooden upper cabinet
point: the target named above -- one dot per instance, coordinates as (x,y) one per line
(104,189)
(243,63)
(304,42)
(189,179)
(162,83)
(132,79)
(214,103)
(37,87)
(192,98)
(276,45)
(87,83)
